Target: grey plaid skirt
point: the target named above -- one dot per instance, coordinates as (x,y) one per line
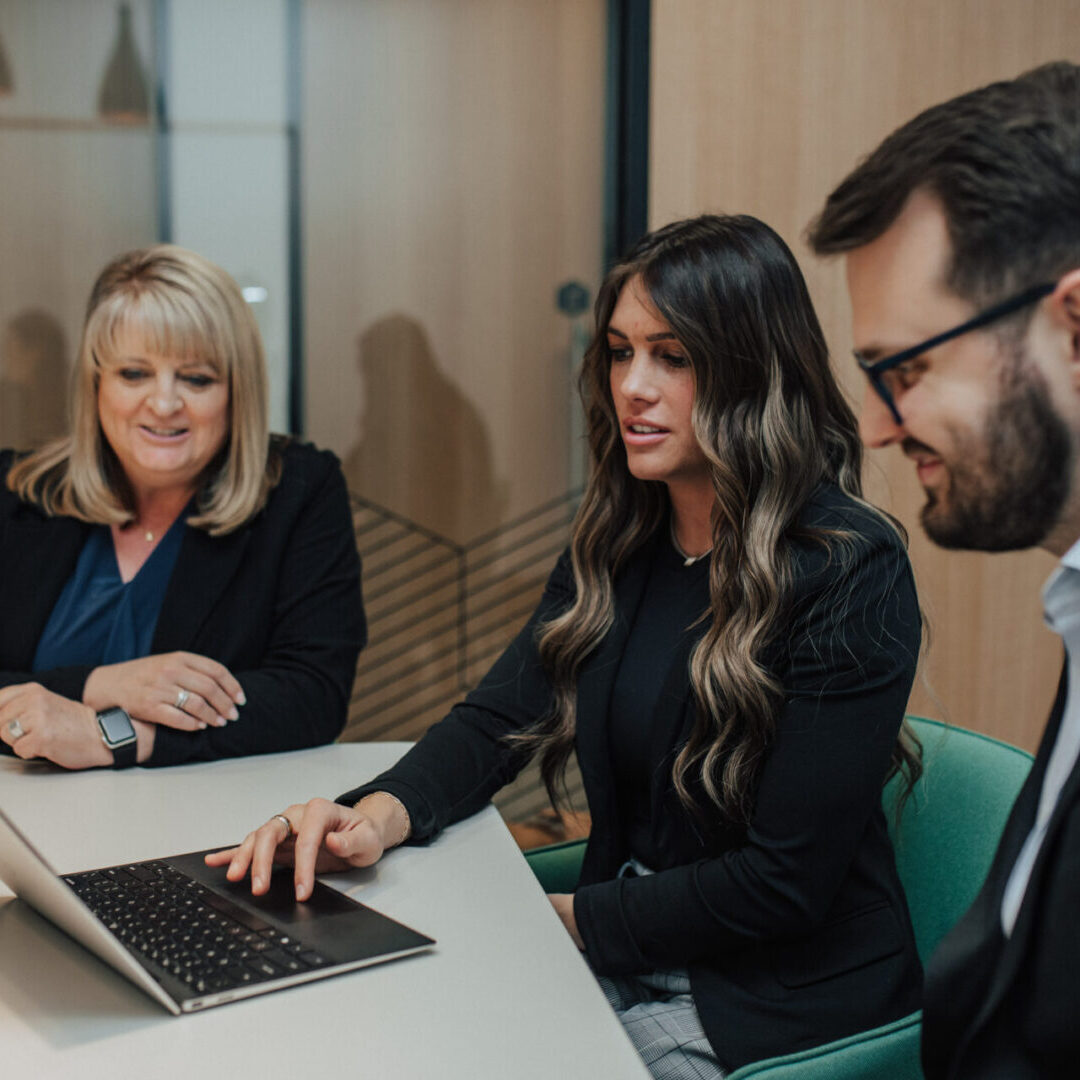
(662,1021)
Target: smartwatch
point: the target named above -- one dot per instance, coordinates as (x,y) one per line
(118,734)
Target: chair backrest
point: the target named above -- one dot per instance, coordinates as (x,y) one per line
(558,866)
(948,833)
(951,825)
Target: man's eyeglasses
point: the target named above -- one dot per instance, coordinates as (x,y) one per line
(878,371)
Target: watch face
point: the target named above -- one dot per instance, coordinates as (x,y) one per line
(116,727)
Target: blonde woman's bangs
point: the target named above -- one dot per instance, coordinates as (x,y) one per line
(162,323)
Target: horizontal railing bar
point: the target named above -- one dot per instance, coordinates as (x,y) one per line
(429,613)
(389,586)
(387,705)
(490,650)
(434,537)
(428,605)
(404,649)
(360,694)
(435,703)
(379,523)
(523,519)
(531,586)
(378,568)
(410,669)
(472,567)
(511,625)
(541,558)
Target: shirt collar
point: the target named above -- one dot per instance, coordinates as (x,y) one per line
(1061,595)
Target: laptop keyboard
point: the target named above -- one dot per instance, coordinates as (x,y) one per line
(177,924)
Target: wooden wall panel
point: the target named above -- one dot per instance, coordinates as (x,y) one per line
(453,179)
(74,192)
(763,106)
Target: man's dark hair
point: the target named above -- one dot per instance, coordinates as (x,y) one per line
(1005,162)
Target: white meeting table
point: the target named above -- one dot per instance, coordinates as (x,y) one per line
(504,993)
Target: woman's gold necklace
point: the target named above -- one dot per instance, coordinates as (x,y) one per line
(148,534)
(688,560)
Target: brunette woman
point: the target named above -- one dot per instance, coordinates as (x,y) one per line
(728,646)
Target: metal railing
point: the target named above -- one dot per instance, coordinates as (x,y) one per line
(439,613)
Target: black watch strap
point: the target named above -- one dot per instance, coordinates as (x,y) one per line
(118,734)
(125,756)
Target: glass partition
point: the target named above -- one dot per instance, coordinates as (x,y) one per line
(412,194)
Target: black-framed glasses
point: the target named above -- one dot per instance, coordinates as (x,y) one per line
(877,370)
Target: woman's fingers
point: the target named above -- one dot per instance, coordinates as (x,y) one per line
(186,711)
(202,697)
(318,819)
(233,692)
(171,716)
(18,712)
(326,836)
(256,852)
(225,855)
(331,837)
(181,690)
(198,692)
(36,722)
(206,697)
(19,736)
(271,840)
(12,728)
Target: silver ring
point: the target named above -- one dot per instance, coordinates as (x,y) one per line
(15,729)
(181,698)
(289,830)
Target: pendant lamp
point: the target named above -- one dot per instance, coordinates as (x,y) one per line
(123,97)
(7,84)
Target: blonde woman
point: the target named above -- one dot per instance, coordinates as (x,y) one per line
(728,645)
(176,583)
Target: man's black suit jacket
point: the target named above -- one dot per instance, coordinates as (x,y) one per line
(794,929)
(277,602)
(1009,1009)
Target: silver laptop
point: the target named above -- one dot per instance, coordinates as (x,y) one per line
(189,938)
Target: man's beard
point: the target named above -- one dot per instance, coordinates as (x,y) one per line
(1008,493)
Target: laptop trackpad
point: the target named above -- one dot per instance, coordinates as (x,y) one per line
(357,931)
(279,902)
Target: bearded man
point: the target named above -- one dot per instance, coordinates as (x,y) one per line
(961,233)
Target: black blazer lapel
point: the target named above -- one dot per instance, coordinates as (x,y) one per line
(204,568)
(1022,816)
(1016,832)
(39,555)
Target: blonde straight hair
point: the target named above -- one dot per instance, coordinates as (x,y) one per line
(183,306)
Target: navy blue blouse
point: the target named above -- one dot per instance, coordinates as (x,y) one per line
(101,619)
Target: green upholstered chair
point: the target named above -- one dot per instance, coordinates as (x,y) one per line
(558,866)
(947,836)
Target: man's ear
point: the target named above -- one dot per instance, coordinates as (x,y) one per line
(1064,303)
(1063,306)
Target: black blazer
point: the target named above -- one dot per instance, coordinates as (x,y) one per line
(277,602)
(795,930)
(1009,1009)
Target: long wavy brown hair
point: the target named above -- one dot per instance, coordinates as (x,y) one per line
(773,425)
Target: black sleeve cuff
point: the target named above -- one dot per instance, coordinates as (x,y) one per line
(609,945)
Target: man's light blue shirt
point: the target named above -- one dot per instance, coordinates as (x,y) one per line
(1061,607)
